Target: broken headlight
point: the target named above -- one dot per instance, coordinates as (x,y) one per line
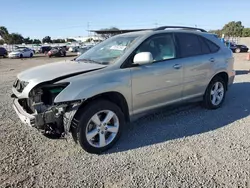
(51,91)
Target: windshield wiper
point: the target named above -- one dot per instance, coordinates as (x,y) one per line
(88,61)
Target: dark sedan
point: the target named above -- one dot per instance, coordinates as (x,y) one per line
(237,48)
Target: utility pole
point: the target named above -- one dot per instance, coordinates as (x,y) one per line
(88,28)
(156,24)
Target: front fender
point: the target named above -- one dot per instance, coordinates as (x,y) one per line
(83,88)
(72,93)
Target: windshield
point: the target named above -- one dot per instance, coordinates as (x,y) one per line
(108,51)
(19,50)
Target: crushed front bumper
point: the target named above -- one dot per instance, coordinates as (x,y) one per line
(25,117)
(37,120)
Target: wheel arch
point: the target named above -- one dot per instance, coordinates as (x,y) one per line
(223,75)
(112,96)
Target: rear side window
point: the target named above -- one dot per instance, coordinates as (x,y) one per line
(189,44)
(213,47)
(204,46)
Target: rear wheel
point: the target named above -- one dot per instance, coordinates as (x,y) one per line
(99,126)
(215,94)
(21,55)
(31,55)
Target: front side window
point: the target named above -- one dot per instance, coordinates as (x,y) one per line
(108,51)
(189,44)
(161,47)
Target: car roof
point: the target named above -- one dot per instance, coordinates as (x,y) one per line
(150,32)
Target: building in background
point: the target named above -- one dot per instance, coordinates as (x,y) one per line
(86,39)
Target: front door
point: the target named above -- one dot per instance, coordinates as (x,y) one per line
(159,83)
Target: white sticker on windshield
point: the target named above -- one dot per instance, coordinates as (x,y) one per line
(118,48)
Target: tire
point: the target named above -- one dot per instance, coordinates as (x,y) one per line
(31,55)
(84,117)
(208,97)
(237,50)
(21,55)
(64,54)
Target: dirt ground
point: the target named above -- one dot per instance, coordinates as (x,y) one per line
(185,147)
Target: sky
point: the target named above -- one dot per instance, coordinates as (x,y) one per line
(65,18)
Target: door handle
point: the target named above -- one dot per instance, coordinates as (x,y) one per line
(212,60)
(177,66)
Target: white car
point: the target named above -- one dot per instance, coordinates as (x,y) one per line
(20,53)
(73,48)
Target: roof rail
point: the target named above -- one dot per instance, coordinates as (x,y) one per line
(178,27)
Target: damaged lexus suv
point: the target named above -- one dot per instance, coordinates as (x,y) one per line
(95,95)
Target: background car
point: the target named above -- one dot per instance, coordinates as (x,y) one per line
(83,49)
(44,49)
(23,47)
(57,51)
(73,48)
(22,52)
(3,52)
(237,48)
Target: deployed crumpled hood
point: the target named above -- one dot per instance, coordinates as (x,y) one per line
(53,71)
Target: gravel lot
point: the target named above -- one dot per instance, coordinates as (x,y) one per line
(185,147)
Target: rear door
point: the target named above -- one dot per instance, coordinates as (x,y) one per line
(197,63)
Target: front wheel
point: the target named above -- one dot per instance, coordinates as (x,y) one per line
(31,55)
(215,94)
(99,126)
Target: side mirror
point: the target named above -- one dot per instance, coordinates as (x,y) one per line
(143,58)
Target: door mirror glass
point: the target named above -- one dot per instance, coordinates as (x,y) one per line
(143,58)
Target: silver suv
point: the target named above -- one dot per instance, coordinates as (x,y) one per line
(96,94)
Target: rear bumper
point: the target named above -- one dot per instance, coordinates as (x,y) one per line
(231,78)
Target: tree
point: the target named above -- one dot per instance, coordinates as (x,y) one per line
(233,29)
(15,38)
(105,36)
(71,40)
(89,40)
(4,33)
(27,40)
(1,42)
(217,32)
(36,41)
(246,32)
(58,41)
(47,39)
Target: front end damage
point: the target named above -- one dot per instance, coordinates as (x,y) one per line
(40,111)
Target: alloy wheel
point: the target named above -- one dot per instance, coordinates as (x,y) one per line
(102,128)
(217,93)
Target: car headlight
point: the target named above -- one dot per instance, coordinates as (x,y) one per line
(48,92)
